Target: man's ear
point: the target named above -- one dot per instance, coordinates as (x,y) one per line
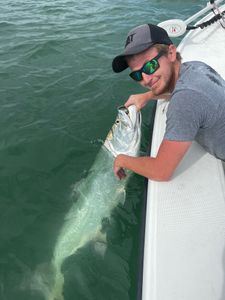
(172,53)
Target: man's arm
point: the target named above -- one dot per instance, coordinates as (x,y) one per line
(160,168)
(140,100)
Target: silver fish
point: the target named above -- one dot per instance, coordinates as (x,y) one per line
(96,196)
(124,137)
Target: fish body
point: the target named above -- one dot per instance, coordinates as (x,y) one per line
(96,196)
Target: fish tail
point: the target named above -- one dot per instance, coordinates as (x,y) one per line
(57,291)
(48,281)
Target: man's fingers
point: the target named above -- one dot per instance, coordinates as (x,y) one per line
(120,173)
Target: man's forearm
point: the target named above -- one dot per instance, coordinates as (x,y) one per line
(161,168)
(145,166)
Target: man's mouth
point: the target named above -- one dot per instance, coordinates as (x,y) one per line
(152,82)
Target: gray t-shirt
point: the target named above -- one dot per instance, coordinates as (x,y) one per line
(196,109)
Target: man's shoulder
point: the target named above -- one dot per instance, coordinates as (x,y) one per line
(199,76)
(194,66)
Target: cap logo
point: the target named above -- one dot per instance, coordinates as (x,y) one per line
(129,39)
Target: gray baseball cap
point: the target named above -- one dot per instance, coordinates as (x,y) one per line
(139,39)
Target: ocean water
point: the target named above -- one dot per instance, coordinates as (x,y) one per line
(58,100)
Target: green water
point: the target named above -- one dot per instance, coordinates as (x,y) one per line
(58,99)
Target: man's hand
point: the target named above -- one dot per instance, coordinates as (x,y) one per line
(139,100)
(117,168)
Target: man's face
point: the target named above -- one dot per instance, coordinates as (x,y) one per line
(163,80)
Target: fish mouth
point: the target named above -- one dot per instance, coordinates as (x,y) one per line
(126,128)
(129,115)
(123,108)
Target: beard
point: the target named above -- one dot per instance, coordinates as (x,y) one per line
(166,83)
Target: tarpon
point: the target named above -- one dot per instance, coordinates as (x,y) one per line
(96,196)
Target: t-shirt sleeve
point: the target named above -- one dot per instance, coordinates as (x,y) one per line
(185,115)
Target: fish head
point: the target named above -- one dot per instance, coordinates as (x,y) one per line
(125,134)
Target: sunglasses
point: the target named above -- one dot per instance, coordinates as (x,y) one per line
(148,68)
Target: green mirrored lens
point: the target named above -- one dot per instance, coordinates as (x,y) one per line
(150,67)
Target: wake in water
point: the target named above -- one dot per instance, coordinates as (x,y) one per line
(96,196)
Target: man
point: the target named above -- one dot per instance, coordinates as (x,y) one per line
(196,95)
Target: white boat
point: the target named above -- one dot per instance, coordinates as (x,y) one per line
(184,248)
